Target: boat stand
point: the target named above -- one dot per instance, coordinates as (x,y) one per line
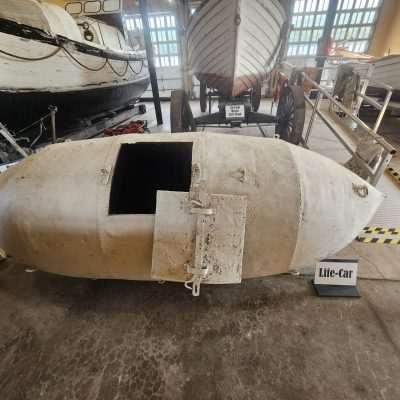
(234,114)
(37,135)
(239,111)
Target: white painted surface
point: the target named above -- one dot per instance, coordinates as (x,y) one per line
(301,206)
(386,70)
(26,12)
(60,22)
(236,39)
(60,72)
(210,245)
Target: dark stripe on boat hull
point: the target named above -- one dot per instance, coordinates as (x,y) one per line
(19,109)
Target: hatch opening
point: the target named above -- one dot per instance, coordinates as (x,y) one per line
(144,168)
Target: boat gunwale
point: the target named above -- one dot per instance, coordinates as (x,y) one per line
(10,27)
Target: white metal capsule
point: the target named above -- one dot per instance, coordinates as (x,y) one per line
(90,208)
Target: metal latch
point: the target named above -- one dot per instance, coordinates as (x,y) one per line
(200,269)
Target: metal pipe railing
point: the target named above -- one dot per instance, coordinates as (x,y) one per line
(373,174)
(10,139)
(313,115)
(328,124)
(379,139)
(383,111)
(370,100)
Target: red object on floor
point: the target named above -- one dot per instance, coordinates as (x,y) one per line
(132,127)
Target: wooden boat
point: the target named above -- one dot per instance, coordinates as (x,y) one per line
(234,44)
(175,208)
(82,66)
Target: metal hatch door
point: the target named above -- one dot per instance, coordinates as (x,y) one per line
(199,243)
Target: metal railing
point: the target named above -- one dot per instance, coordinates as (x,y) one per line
(12,138)
(373,173)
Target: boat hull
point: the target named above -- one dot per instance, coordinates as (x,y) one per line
(234,45)
(385,70)
(20,109)
(79,83)
(90,208)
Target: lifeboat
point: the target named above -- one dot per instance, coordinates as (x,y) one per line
(80,65)
(233,45)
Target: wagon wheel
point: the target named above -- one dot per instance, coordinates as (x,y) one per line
(203,96)
(181,114)
(291,114)
(256,97)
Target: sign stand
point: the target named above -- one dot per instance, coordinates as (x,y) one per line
(336,278)
(336,291)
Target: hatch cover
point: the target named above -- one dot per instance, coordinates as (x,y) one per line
(190,240)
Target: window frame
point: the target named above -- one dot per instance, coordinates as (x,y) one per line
(164,36)
(303,39)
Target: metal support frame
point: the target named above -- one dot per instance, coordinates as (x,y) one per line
(10,139)
(218,119)
(383,110)
(53,110)
(252,119)
(362,93)
(374,174)
(150,59)
(313,115)
(183,16)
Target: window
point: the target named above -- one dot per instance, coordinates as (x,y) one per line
(144,168)
(308,22)
(354,25)
(163,36)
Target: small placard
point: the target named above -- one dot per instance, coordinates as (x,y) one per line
(235,111)
(336,272)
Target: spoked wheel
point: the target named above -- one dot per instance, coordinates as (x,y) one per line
(256,97)
(203,96)
(291,114)
(181,114)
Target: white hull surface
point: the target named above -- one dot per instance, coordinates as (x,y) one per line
(385,70)
(59,73)
(233,45)
(46,60)
(137,207)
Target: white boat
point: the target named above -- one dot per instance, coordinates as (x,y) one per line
(387,70)
(175,208)
(234,44)
(384,70)
(47,58)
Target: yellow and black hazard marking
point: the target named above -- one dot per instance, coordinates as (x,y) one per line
(381,231)
(375,240)
(379,235)
(394,174)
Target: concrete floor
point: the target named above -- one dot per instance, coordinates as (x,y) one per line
(63,338)
(73,339)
